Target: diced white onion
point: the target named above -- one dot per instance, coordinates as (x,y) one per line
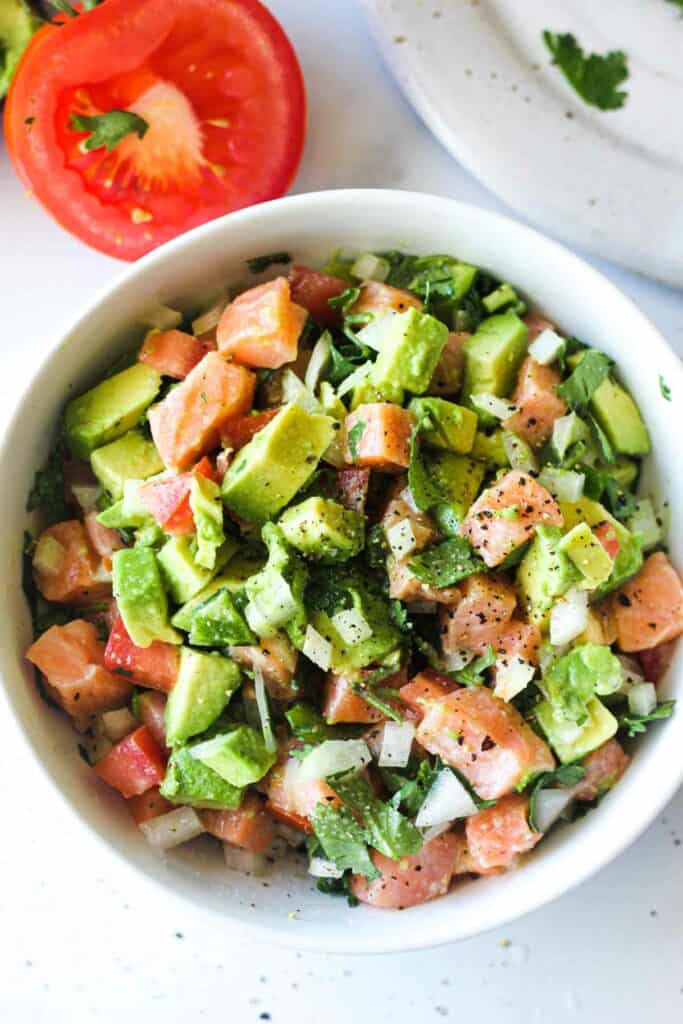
(401,538)
(334,756)
(397,743)
(48,556)
(422,607)
(162,317)
(644,521)
(172,829)
(86,495)
(569,617)
(264,710)
(317,649)
(501,408)
(512,677)
(642,699)
(447,800)
(520,456)
(374,334)
(357,377)
(563,484)
(319,867)
(294,390)
(369,267)
(117,724)
(551,805)
(246,861)
(546,347)
(457,660)
(208,320)
(352,626)
(318,361)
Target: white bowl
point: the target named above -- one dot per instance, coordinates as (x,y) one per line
(183,273)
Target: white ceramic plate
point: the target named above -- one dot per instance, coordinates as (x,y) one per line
(184,273)
(480,75)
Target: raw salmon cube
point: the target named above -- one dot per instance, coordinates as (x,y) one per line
(497,835)
(604,767)
(261,327)
(655,661)
(518,640)
(413,879)
(104,539)
(381,438)
(276,658)
(426,687)
(648,610)
(376,297)
(151,705)
(538,404)
(481,615)
(168,500)
(250,826)
(291,799)
(65,565)
(341,704)
(449,370)
(173,353)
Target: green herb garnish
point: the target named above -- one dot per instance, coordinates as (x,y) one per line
(595,77)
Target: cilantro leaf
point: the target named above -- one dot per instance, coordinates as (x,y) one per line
(425,493)
(411,793)
(634,724)
(595,77)
(388,830)
(343,840)
(109,129)
(47,492)
(353,438)
(348,298)
(337,887)
(602,441)
(579,387)
(401,267)
(257,264)
(376,547)
(567,775)
(663,386)
(445,564)
(473,674)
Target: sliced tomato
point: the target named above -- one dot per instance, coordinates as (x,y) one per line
(173,353)
(261,327)
(240,431)
(155,666)
(148,805)
(219,87)
(134,765)
(168,500)
(313,291)
(151,707)
(411,880)
(384,440)
(250,826)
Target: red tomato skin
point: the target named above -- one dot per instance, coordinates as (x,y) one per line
(134,765)
(114,48)
(313,291)
(241,430)
(155,666)
(169,500)
(148,805)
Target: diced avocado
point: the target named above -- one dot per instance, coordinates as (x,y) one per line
(218,623)
(411,346)
(492,357)
(586,552)
(130,457)
(17,25)
(489,448)
(571,742)
(380,639)
(239,756)
(646,524)
(454,426)
(458,477)
(624,473)
(149,535)
(204,686)
(365,392)
(189,781)
(238,571)
(620,418)
(455,280)
(110,409)
(207,511)
(503,295)
(276,593)
(544,574)
(323,529)
(277,462)
(181,572)
(140,596)
(567,431)
(630,555)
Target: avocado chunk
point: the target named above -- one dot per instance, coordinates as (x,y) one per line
(110,409)
(17,25)
(630,555)
(238,570)
(586,552)
(206,682)
(276,463)
(572,741)
(276,593)
(489,448)
(624,473)
(207,511)
(620,418)
(130,457)
(454,427)
(239,756)
(182,574)
(140,596)
(544,574)
(323,529)
(492,358)
(409,349)
(459,479)
(189,781)
(219,623)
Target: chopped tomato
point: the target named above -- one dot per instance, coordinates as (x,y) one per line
(291,799)
(65,565)
(351,488)
(261,327)
(604,767)
(103,539)
(648,610)
(72,660)
(241,430)
(425,687)
(485,739)
(607,536)
(449,370)
(151,705)
(313,291)
(536,323)
(383,443)
(188,422)
(148,805)
(173,353)
(497,835)
(537,401)
(250,826)
(411,880)
(168,500)
(496,536)
(481,615)
(220,92)
(655,661)
(376,297)
(155,666)
(134,765)
(276,658)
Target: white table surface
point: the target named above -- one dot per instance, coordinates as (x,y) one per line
(79,940)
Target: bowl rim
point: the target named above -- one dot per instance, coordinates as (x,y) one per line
(447,928)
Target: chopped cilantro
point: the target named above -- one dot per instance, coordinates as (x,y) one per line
(387,829)
(422,487)
(309,726)
(445,564)
(47,492)
(634,724)
(579,387)
(376,547)
(353,438)
(566,775)
(343,840)
(473,674)
(595,77)
(107,130)
(348,298)
(337,887)
(410,794)
(663,386)
(257,264)
(602,441)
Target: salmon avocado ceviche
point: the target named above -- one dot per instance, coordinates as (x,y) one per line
(355,560)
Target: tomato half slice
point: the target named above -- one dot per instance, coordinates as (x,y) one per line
(218,85)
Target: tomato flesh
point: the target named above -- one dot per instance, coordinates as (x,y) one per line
(134,765)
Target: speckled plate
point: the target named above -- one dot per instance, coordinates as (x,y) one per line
(480,75)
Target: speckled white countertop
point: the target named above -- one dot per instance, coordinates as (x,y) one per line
(74,945)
